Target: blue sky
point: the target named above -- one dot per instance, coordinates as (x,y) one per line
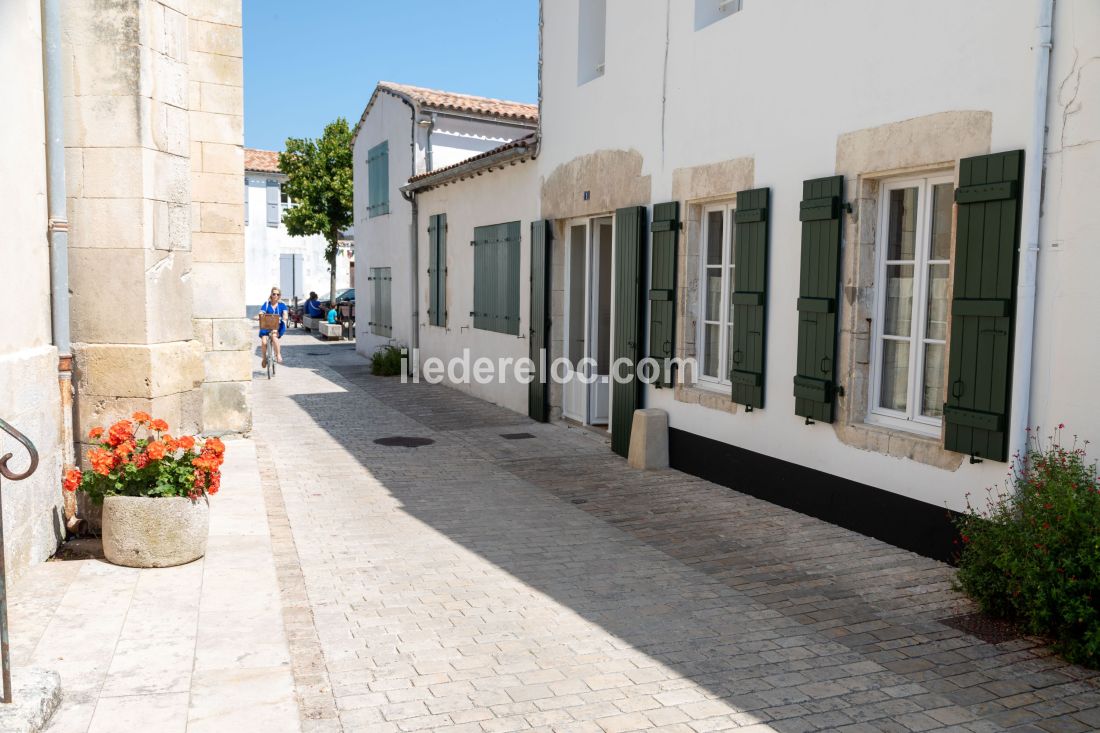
(307,63)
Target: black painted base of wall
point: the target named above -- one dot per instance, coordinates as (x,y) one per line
(907,523)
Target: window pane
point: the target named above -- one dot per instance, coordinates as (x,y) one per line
(936,319)
(710,350)
(715,220)
(932,391)
(714,294)
(897,319)
(943,195)
(902,227)
(729,302)
(895,375)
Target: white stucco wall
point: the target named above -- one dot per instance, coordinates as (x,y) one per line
(384,240)
(264,245)
(496,197)
(29,396)
(779,82)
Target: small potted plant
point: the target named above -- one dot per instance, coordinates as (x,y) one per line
(154,490)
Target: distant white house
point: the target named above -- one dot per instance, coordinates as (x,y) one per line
(273,257)
(405,131)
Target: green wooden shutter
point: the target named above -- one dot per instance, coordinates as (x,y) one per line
(480,244)
(815,377)
(979,375)
(750,297)
(510,246)
(375,302)
(378,179)
(387,302)
(538,402)
(437,270)
(662,287)
(630,224)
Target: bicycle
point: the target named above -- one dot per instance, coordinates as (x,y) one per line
(270,323)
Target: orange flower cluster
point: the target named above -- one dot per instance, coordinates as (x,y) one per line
(120,446)
(208,476)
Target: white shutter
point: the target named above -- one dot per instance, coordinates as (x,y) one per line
(273,203)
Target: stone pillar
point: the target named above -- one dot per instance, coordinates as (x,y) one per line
(217,212)
(129,185)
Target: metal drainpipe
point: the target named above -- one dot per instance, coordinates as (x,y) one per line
(414,244)
(1029,241)
(58,232)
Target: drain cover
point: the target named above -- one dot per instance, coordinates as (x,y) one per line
(316,353)
(989,630)
(404,441)
(516,436)
(580,501)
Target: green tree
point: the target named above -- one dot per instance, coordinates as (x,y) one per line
(319,183)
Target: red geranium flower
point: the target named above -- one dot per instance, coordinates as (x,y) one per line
(72,479)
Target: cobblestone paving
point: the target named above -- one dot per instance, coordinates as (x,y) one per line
(486,585)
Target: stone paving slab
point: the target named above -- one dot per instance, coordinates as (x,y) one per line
(198,647)
(482,584)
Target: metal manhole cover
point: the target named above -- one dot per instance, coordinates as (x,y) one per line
(516,436)
(316,353)
(404,441)
(989,630)
(579,501)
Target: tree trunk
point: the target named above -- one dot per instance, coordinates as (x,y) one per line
(332,253)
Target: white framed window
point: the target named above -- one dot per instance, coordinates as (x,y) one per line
(715,337)
(908,353)
(710,11)
(591,39)
(285,202)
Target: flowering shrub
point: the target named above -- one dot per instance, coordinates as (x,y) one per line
(1033,553)
(140,458)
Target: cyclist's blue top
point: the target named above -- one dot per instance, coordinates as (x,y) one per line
(275,309)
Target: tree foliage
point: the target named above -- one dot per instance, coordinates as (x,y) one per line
(319,182)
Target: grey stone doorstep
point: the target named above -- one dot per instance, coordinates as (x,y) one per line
(36,694)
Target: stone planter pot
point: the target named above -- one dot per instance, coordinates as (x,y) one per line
(141,532)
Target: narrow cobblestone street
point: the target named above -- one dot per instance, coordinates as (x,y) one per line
(519,576)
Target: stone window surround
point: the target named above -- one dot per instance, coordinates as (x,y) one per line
(920,146)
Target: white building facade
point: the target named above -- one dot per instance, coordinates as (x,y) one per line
(838,219)
(297,265)
(405,131)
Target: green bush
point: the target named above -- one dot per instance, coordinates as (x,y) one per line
(1032,554)
(386,361)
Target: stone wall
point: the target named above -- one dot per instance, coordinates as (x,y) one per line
(216,84)
(154,161)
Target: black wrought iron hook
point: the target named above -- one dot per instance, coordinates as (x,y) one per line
(26,443)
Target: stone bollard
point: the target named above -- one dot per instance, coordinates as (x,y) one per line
(649,439)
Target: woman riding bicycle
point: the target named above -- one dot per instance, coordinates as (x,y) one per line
(272,306)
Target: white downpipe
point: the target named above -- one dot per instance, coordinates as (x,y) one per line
(1029,237)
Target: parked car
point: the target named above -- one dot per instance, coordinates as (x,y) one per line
(345,296)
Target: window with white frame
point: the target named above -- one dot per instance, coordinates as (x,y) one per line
(715,336)
(710,11)
(910,326)
(591,39)
(285,201)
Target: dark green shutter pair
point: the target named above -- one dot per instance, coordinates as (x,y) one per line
(538,396)
(979,374)
(662,287)
(987,233)
(381,317)
(628,269)
(496,278)
(437,270)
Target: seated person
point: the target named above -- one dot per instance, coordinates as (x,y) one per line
(332,314)
(313,306)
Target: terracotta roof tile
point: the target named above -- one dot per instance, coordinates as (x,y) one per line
(441,100)
(264,161)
